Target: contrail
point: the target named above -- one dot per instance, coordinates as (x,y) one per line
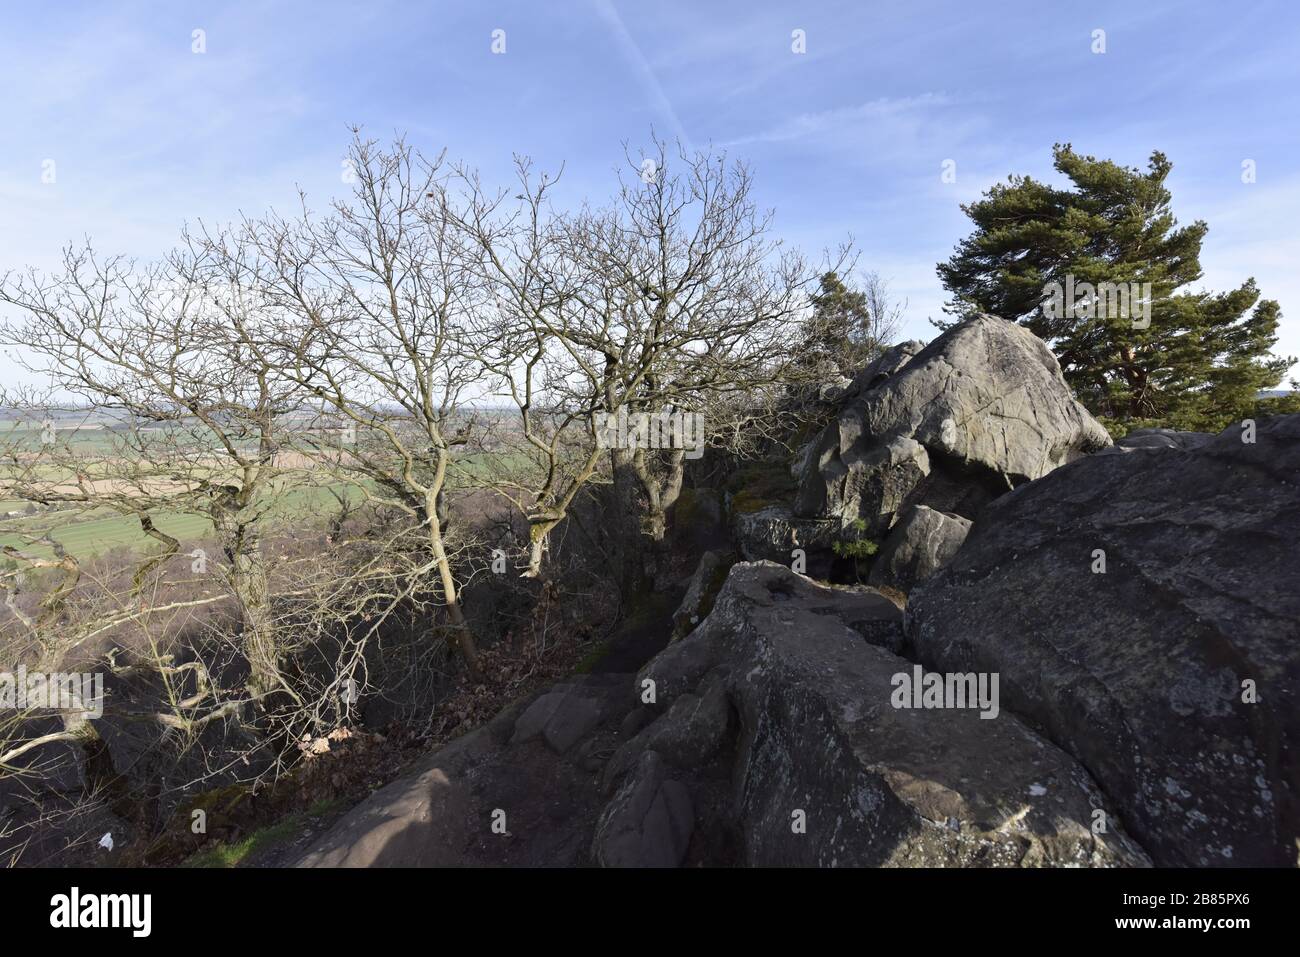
(651,82)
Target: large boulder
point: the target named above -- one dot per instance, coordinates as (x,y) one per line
(980,410)
(827,769)
(772,534)
(649,821)
(923,541)
(1142,609)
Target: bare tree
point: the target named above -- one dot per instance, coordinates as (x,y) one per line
(374,300)
(674,301)
(190,416)
(424,337)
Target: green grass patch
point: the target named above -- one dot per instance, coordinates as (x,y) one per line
(88,533)
(233,855)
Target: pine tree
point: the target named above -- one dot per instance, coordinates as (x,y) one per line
(1101,271)
(850,327)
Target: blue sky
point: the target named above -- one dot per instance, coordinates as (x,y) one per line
(848,138)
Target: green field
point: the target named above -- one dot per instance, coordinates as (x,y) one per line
(85,533)
(89,533)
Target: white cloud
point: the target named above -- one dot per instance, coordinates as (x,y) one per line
(870,115)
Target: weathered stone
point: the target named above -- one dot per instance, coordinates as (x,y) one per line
(1144,667)
(533,720)
(701,590)
(888,363)
(873,483)
(772,533)
(821,747)
(1162,439)
(649,821)
(563,716)
(985,402)
(692,731)
(636,719)
(923,541)
(571,722)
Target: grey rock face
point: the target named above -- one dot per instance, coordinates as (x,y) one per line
(649,821)
(877,482)
(923,541)
(827,772)
(692,732)
(981,409)
(772,533)
(1173,674)
(701,591)
(883,366)
(562,717)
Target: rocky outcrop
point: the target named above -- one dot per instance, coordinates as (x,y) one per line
(923,541)
(980,410)
(1102,671)
(773,533)
(825,770)
(772,734)
(1142,609)
(649,821)
(701,590)
(523,790)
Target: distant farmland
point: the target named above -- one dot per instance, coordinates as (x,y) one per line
(88,533)
(85,531)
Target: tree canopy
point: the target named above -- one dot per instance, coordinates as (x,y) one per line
(1102,271)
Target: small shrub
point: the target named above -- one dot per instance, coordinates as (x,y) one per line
(856,546)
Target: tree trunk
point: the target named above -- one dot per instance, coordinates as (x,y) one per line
(539,530)
(261,649)
(248,581)
(661,493)
(626,526)
(435,513)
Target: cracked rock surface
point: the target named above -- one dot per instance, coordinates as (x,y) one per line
(1171,671)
